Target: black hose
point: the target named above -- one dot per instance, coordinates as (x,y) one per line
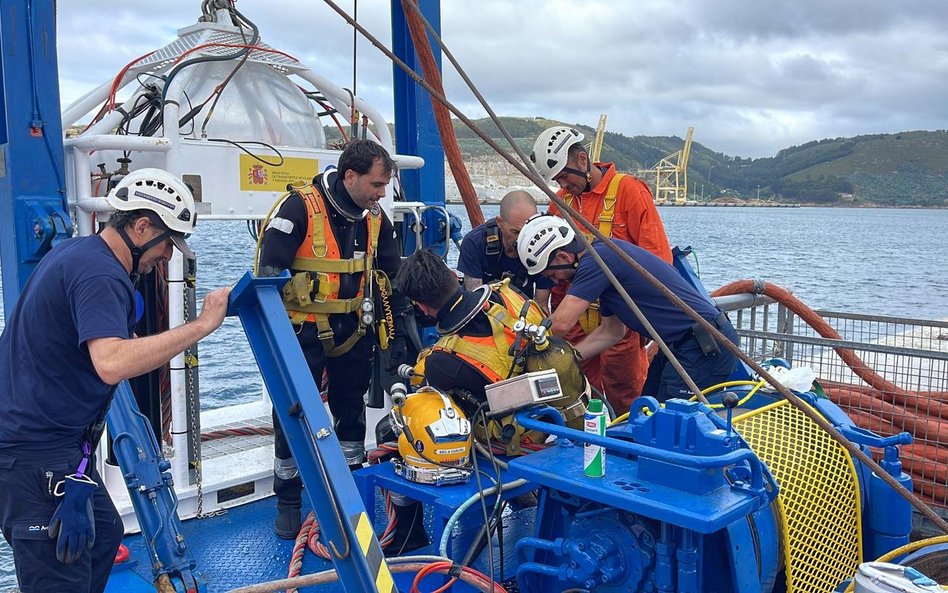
(233,56)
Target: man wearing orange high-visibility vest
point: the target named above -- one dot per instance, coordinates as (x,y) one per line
(621,206)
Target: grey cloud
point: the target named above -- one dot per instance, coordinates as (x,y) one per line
(752,77)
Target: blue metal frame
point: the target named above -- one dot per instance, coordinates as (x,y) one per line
(150,488)
(697,506)
(309,432)
(416,131)
(33,209)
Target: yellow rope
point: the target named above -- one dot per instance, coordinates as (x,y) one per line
(906,549)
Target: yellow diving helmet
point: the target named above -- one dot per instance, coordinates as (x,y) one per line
(434,438)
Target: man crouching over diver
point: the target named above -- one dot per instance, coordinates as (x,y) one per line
(548,246)
(480,346)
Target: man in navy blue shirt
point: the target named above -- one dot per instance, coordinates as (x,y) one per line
(489,252)
(68,341)
(548,246)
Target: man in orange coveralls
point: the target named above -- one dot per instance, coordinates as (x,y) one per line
(622,207)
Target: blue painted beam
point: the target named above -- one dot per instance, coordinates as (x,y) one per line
(347,530)
(416,131)
(33,209)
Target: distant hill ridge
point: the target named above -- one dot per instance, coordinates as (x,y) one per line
(904,169)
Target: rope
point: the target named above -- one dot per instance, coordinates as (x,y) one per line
(308,538)
(236,432)
(396,565)
(574,219)
(445,128)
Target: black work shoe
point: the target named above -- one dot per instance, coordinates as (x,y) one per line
(410,531)
(287,524)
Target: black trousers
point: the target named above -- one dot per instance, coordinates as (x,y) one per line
(349,377)
(26,506)
(664,382)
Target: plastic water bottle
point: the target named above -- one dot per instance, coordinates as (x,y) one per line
(594,456)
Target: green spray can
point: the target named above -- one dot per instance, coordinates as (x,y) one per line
(594,456)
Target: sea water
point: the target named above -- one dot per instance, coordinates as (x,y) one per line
(876,261)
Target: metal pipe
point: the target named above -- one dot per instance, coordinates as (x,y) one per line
(746,300)
(180,427)
(85,103)
(170,119)
(90,205)
(115,142)
(408,161)
(80,169)
(339,98)
(613,444)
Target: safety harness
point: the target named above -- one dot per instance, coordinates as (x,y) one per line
(493,249)
(591,318)
(502,355)
(493,355)
(312,294)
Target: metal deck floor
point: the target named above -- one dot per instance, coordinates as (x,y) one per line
(239,548)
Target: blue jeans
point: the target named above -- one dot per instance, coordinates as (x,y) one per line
(27,479)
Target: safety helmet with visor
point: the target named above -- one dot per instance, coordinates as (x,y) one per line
(539,238)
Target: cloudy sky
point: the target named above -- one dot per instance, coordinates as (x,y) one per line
(751,76)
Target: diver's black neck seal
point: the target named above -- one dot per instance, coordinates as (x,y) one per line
(461,308)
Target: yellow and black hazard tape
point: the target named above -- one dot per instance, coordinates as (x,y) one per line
(372,550)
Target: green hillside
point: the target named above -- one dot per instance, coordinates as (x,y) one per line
(904,169)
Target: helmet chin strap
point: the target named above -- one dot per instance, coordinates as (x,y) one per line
(572,265)
(588,175)
(138,251)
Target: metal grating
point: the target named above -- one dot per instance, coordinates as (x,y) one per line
(890,374)
(174,50)
(235,437)
(818,499)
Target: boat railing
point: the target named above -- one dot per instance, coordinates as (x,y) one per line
(890,374)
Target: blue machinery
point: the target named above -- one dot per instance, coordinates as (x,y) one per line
(686,504)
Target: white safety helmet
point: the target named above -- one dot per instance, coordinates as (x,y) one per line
(164,194)
(539,238)
(551,150)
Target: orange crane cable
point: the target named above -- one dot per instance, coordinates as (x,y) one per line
(446,129)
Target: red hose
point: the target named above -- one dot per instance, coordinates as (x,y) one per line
(881,406)
(889,390)
(452,151)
